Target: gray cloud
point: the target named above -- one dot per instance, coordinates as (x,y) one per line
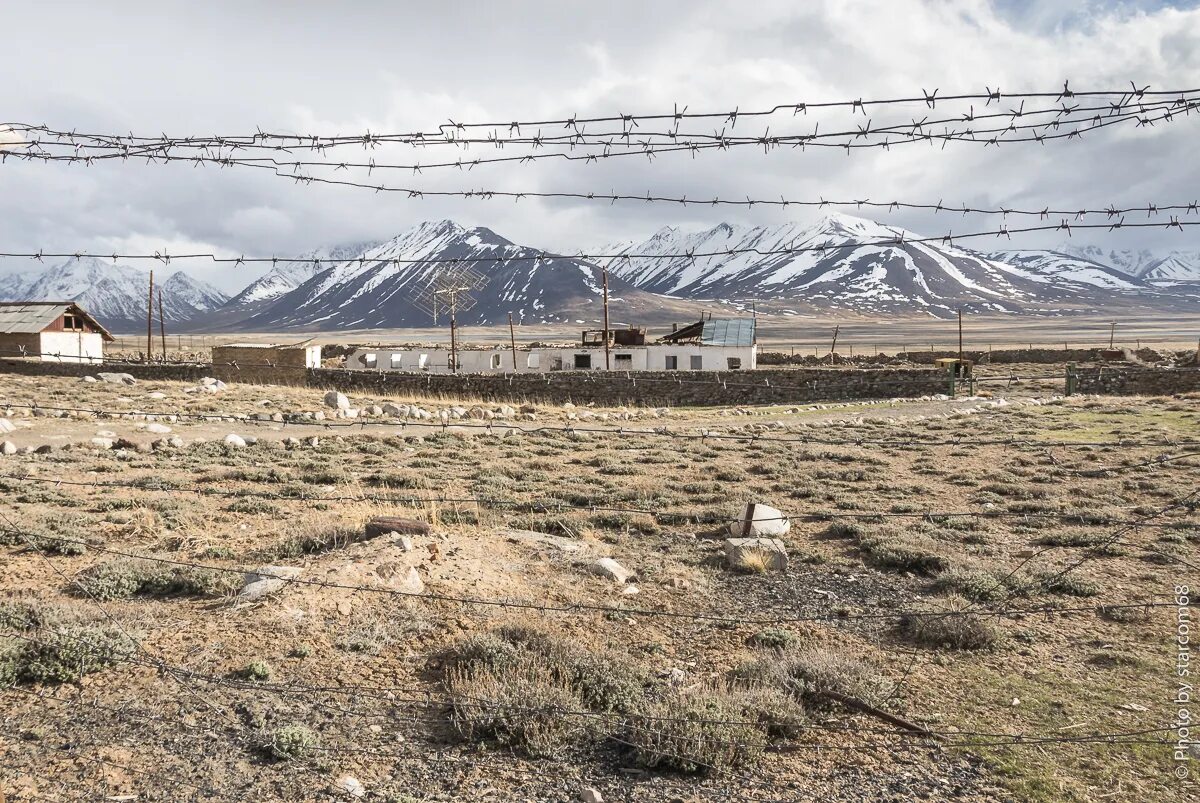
(382,66)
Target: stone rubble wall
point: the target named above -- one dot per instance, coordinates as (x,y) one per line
(655,388)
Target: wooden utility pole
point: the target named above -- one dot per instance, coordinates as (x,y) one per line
(150,319)
(452,293)
(604,276)
(1112,334)
(512,339)
(162,325)
(833,346)
(960,347)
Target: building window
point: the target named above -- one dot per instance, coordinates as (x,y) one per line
(672,363)
(397,361)
(423,361)
(624,362)
(368,360)
(495,361)
(72,323)
(533,361)
(583,360)
(733,363)
(697,362)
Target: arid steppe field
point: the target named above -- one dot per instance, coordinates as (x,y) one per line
(977,602)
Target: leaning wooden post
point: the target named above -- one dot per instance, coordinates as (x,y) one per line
(512,339)
(833,346)
(150,319)
(162,325)
(607,366)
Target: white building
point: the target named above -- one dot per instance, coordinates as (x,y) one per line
(51,331)
(719,344)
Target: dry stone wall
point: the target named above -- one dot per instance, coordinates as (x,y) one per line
(657,388)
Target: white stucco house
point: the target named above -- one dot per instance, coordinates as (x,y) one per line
(51,331)
(713,344)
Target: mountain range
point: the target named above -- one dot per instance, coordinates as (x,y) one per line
(835,264)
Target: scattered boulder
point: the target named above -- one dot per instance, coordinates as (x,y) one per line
(8,447)
(45,448)
(756,554)
(6,425)
(760,521)
(609,568)
(158,394)
(158,429)
(590,794)
(236,441)
(351,786)
(89,379)
(265,580)
(412,582)
(175,442)
(337,401)
(383,525)
(102,443)
(117,379)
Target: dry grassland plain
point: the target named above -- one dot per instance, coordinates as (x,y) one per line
(1001,575)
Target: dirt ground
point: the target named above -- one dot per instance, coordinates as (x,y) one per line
(998,571)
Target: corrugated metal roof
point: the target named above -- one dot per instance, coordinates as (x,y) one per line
(728,332)
(31,318)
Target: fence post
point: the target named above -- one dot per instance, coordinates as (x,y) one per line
(1072,378)
(950,377)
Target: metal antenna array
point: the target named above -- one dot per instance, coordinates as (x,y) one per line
(450,288)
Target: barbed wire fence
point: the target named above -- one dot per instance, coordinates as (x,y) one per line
(1069,119)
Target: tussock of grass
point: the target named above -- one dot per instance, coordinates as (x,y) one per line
(123,578)
(508,686)
(711,729)
(903,552)
(950,625)
(806,673)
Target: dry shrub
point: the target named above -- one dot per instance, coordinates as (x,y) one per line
(806,673)
(512,684)
(123,578)
(892,549)
(953,625)
(707,729)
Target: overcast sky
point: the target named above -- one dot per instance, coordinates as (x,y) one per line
(317,67)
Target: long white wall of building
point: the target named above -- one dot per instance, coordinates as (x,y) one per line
(654,357)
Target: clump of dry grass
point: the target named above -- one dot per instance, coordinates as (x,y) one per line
(807,673)
(892,549)
(953,624)
(60,646)
(705,729)
(512,684)
(123,578)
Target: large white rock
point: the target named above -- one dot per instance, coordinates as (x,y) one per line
(265,580)
(6,425)
(337,401)
(759,521)
(607,567)
(158,429)
(117,379)
(8,447)
(234,440)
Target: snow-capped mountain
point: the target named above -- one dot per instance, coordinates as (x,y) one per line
(1134,263)
(1057,266)
(378,287)
(115,294)
(287,276)
(1176,267)
(843,266)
